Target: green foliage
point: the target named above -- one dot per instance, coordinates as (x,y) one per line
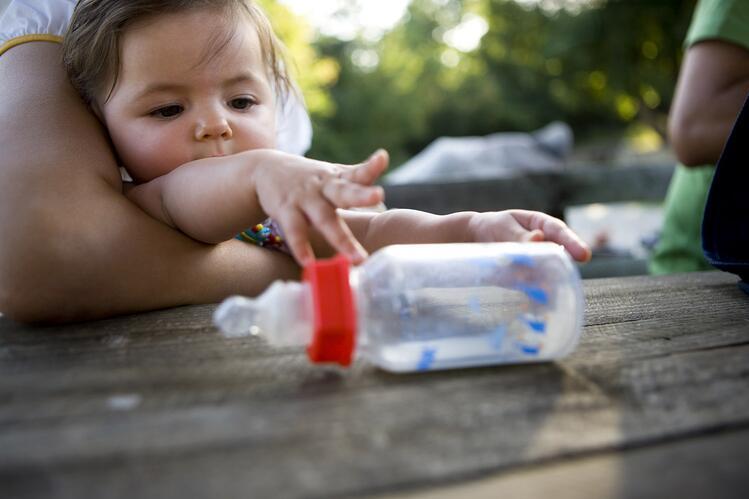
(598,65)
(312,73)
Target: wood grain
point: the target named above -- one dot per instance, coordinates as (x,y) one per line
(161,405)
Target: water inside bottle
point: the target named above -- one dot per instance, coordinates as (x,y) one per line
(479,311)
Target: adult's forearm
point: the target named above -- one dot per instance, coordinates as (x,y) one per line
(103,256)
(698,139)
(118,261)
(713,84)
(71,245)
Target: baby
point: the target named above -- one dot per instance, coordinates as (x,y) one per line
(189,92)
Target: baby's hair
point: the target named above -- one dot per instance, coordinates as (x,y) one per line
(91,47)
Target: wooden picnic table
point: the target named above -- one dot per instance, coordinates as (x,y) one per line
(653,403)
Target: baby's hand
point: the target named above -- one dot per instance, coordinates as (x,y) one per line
(526,226)
(298,192)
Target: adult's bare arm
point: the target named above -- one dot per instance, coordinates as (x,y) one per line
(71,245)
(713,83)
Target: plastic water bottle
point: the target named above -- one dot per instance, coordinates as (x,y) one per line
(424,306)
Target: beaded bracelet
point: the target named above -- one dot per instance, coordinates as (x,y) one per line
(267,235)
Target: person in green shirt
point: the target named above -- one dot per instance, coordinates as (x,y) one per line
(713,84)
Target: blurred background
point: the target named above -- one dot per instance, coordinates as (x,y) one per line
(399,73)
(595,76)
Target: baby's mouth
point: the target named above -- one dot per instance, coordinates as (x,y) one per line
(214,154)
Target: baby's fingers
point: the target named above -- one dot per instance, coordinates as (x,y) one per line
(533,236)
(366,173)
(556,231)
(296,236)
(561,234)
(326,220)
(344,194)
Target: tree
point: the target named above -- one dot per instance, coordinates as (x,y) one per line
(596,64)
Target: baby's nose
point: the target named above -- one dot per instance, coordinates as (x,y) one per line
(213,129)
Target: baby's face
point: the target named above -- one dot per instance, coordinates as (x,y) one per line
(178,99)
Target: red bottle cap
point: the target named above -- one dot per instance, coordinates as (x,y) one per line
(334,311)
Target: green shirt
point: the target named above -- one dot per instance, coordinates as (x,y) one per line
(680,245)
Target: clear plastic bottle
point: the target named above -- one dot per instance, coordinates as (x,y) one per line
(423,307)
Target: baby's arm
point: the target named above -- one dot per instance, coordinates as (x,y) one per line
(72,247)
(410,226)
(213,199)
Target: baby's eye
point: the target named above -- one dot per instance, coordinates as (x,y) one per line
(242,103)
(167,111)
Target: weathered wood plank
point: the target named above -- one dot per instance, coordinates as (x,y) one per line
(189,348)
(192,354)
(353,442)
(550,192)
(710,466)
(661,359)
